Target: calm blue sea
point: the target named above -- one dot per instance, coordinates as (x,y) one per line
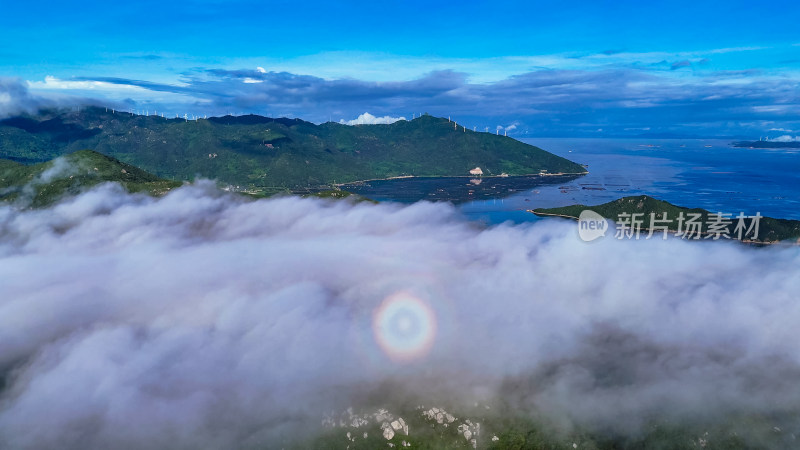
(709,174)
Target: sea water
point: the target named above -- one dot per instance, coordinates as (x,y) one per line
(696,173)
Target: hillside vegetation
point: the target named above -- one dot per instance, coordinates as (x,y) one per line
(45,183)
(262,153)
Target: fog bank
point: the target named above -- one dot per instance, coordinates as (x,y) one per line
(202,320)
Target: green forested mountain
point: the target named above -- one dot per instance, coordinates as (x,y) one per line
(260,152)
(44,183)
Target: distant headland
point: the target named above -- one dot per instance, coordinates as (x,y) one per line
(262,154)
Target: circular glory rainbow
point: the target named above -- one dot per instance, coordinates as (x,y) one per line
(404,327)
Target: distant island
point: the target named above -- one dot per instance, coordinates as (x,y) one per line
(263,154)
(770,230)
(766,144)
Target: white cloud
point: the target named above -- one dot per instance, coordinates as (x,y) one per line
(376,66)
(51,83)
(785,138)
(15,98)
(202,320)
(369,119)
(121,94)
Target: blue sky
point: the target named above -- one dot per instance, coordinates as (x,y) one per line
(545,68)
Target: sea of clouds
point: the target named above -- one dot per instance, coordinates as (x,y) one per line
(205,320)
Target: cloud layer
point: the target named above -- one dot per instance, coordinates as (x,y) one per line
(201,320)
(15,98)
(543,102)
(369,119)
(785,138)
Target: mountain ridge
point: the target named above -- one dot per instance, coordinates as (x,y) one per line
(265,153)
(45,183)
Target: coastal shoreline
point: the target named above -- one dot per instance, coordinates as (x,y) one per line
(403,177)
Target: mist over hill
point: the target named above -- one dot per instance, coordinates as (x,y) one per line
(201,319)
(45,183)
